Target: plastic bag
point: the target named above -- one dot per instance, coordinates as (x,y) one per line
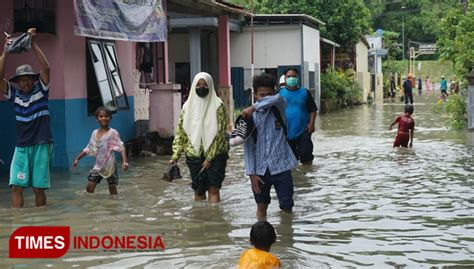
(19,44)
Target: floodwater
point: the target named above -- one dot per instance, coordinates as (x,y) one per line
(362,205)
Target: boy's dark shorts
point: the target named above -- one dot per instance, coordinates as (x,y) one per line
(302,147)
(283,183)
(95,177)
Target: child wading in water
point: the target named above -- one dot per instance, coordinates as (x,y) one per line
(103,142)
(406,128)
(262,237)
(268,156)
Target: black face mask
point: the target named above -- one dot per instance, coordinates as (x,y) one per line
(202,92)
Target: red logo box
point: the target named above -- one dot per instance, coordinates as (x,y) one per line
(39,242)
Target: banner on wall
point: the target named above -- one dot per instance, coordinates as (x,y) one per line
(129,20)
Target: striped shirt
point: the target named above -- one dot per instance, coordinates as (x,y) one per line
(32,114)
(271,150)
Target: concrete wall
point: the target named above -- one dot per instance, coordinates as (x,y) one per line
(66,53)
(362,64)
(379,88)
(311,58)
(362,69)
(470,107)
(311,47)
(179,52)
(273,46)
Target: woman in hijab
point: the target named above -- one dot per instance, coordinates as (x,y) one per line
(201,134)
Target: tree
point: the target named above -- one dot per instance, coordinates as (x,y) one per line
(456,44)
(456,40)
(421,19)
(345,20)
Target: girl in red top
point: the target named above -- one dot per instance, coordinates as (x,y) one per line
(406,128)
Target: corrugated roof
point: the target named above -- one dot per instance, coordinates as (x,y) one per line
(230,7)
(299,16)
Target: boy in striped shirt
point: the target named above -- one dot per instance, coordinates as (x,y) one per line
(268,156)
(34,144)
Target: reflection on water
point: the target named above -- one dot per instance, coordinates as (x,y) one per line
(363,204)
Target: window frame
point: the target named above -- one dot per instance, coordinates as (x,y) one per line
(116,90)
(40,14)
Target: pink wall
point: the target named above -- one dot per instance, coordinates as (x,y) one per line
(66,54)
(49,43)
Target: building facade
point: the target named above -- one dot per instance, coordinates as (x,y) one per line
(75,92)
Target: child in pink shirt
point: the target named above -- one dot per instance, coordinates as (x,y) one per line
(103,142)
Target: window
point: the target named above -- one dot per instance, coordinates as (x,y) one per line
(34,13)
(104,83)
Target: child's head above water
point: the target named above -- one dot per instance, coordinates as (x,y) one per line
(409,109)
(263,85)
(262,235)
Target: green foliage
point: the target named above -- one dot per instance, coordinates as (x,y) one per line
(456,42)
(390,40)
(345,20)
(455,110)
(420,17)
(338,85)
(390,67)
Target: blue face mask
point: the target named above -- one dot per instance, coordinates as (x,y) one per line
(291,82)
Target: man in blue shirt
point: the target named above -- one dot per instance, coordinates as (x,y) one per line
(34,144)
(444,86)
(408,90)
(268,157)
(300,114)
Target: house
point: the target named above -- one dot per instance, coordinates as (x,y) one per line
(376,52)
(274,43)
(363,77)
(198,40)
(75,92)
(328,53)
(88,72)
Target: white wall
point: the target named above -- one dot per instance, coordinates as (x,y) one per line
(311,49)
(273,46)
(362,64)
(362,69)
(375,42)
(311,56)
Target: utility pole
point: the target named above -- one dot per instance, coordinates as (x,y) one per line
(464,3)
(403,35)
(251,50)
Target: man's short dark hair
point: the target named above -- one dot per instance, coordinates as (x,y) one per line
(103,109)
(409,109)
(263,80)
(291,69)
(262,235)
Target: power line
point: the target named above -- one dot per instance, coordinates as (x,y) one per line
(398,12)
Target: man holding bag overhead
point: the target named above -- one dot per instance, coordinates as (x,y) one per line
(34,143)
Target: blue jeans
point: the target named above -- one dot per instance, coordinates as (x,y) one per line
(283,183)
